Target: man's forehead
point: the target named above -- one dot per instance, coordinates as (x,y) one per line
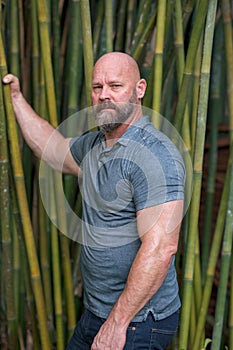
(111,73)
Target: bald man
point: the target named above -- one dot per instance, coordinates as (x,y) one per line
(133,189)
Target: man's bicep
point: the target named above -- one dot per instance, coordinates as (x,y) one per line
(160,220)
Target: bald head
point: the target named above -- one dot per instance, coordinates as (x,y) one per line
(119,62)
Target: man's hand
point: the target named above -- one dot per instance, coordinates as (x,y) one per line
(111,336)
(14,84)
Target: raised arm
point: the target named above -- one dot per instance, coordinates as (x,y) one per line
(159,228)
(44,140)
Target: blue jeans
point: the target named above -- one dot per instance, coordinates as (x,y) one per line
(147,335)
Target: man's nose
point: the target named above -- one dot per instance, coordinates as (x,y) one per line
(105,94)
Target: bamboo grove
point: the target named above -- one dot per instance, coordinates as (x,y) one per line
(184,50)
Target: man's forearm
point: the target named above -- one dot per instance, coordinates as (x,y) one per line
(159,228)
(145,278)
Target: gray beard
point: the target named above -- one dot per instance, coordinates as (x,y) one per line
(110,120)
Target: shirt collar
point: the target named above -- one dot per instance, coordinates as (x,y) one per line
(127,136)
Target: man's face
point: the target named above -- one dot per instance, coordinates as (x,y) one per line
(113,95)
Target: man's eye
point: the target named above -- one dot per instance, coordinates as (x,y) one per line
(97,88)
(115,86)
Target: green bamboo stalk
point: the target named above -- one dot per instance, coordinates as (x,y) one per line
(213,258)
(227,243)
(66,266)
(231,309)
(121,19)
(158,63)
(224,268)
(50,94)
(190,60)
(14,38)
(6,229)
(44,250)
(130,24)
(180,65)
(195,92)
(56,275)
(44,230)
(197,290)
(216,110)
(35,58)
(87,47)
(98,28)
(73,74)
(56,49)
(22,200)
(18,261)
(109,25)
(198,159)
(31,326)
(47,62)
(179,41)
(136,53)
(187,11)
(228,39)
(16,268)
(143,13)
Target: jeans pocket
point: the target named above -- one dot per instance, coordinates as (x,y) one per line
(163,332)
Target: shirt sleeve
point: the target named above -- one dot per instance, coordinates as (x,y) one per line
(158,176)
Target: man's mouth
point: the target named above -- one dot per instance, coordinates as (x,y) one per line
(105,107)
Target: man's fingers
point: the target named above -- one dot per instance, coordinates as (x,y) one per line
(9,78)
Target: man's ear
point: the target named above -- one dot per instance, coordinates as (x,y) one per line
(141,88)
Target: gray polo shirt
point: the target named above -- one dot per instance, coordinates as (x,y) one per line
(142,169)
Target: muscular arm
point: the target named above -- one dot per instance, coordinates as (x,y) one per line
(159,232)
(44,140)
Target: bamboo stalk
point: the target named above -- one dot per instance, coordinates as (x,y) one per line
(28,159)
(44,250)
(56,49)
(6,232)
(14,38)
(98,28)
(228,39)
(198,159)
(109,25)
(216,110)
(121,19)
(31,327)
(87,47)
(180,65)
(189,64)
(46,57)
(224,268)
(213,258)
(73,80)
(56,275)
(158,63)
(231,309)
(144,13)
(179,41)
(22,200)
(136,53)
(130,24)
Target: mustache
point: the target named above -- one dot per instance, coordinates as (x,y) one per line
(102,106)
